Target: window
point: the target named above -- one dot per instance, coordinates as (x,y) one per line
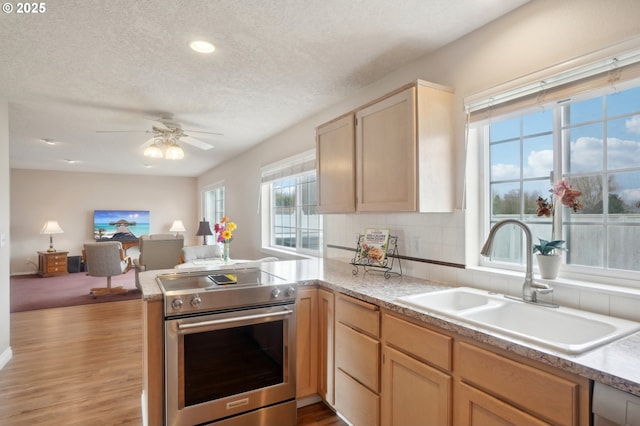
(213,203)
(593,140)
(289,206)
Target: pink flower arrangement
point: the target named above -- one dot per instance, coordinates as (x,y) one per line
(224,230)
(564,192)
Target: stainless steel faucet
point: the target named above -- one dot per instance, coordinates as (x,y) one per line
(530,288)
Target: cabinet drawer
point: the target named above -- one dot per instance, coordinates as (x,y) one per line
(542,393)
(358,355)
(355,402)
(420,342)
(57,261)
(360,315)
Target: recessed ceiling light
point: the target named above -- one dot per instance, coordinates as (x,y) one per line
(48,141)
(70,161)
(148,166)
(202,46)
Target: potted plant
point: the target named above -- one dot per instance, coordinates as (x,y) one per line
(565,195)
(548,259)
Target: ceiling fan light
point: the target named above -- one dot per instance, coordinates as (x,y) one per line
(174,152)
(153,151)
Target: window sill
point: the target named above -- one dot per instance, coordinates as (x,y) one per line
(286,254)
(616,287)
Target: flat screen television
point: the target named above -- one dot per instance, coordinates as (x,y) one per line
(120,225)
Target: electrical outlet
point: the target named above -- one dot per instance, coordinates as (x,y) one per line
(416,245)
(28,261)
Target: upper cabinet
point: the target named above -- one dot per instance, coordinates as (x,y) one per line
(335,160)
(403,154)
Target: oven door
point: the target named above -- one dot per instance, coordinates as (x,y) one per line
(224,364)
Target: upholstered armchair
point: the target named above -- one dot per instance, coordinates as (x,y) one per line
(105,259)
(158,251)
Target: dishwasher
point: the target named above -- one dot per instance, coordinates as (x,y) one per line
(613,407)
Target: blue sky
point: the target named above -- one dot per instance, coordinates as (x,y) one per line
(586,143)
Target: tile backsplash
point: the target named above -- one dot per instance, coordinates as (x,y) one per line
(440,237)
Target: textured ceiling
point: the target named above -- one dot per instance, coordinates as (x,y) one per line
(85,66)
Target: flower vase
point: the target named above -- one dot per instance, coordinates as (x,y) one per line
(225,252)
(548,265)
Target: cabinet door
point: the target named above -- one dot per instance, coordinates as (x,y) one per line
(335,156)
(325,346)
(307,342)
(386,153)
(476,408)
(413,393)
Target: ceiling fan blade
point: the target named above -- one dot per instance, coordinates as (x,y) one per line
(148,142)
(122,131)
(196,142)
(203,132)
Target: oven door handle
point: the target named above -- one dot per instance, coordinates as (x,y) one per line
(286,312)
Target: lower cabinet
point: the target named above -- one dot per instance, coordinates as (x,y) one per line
(357,361)
(416,384)
(326,336)
(418,393)
(306,342)
(507,391)
(432,376)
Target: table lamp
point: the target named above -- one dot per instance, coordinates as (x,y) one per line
(51,227)
(177,227)
(204,229)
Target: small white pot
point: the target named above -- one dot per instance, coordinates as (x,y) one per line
(548,265)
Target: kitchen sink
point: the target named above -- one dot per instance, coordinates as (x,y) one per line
(566,330)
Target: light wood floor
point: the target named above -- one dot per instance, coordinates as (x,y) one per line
(82,365)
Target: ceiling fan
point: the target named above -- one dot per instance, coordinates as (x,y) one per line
(166,137)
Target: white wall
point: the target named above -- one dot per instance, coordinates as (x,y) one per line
(70,198)
(540,34)
(5,348)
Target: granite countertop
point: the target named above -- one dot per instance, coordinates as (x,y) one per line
(615,364)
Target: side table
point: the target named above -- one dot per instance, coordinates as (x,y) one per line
(52,264)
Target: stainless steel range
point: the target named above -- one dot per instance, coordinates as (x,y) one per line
(229,348)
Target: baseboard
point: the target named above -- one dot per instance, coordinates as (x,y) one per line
(5,357)
(308,400)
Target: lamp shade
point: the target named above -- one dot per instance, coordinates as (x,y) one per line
(177,226)
(51,227)
(204,228)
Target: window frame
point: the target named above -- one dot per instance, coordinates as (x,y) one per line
(213,214)
(297,167)
(480,134)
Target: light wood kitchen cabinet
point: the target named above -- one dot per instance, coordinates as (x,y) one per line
(404,151)
(357,360)
(306,342)
(326,333)
(489,381)
(413,390)
(403,154)
(153,361)
(335,166)
(433,376)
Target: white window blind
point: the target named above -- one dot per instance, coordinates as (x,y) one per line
(552,85)
(290,167)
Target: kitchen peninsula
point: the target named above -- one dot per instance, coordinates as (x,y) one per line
(614,364)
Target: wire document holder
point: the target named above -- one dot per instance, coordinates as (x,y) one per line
(386,266)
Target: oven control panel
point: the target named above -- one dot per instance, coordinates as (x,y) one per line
(230,298)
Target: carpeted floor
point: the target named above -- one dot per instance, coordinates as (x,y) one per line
(31,292)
